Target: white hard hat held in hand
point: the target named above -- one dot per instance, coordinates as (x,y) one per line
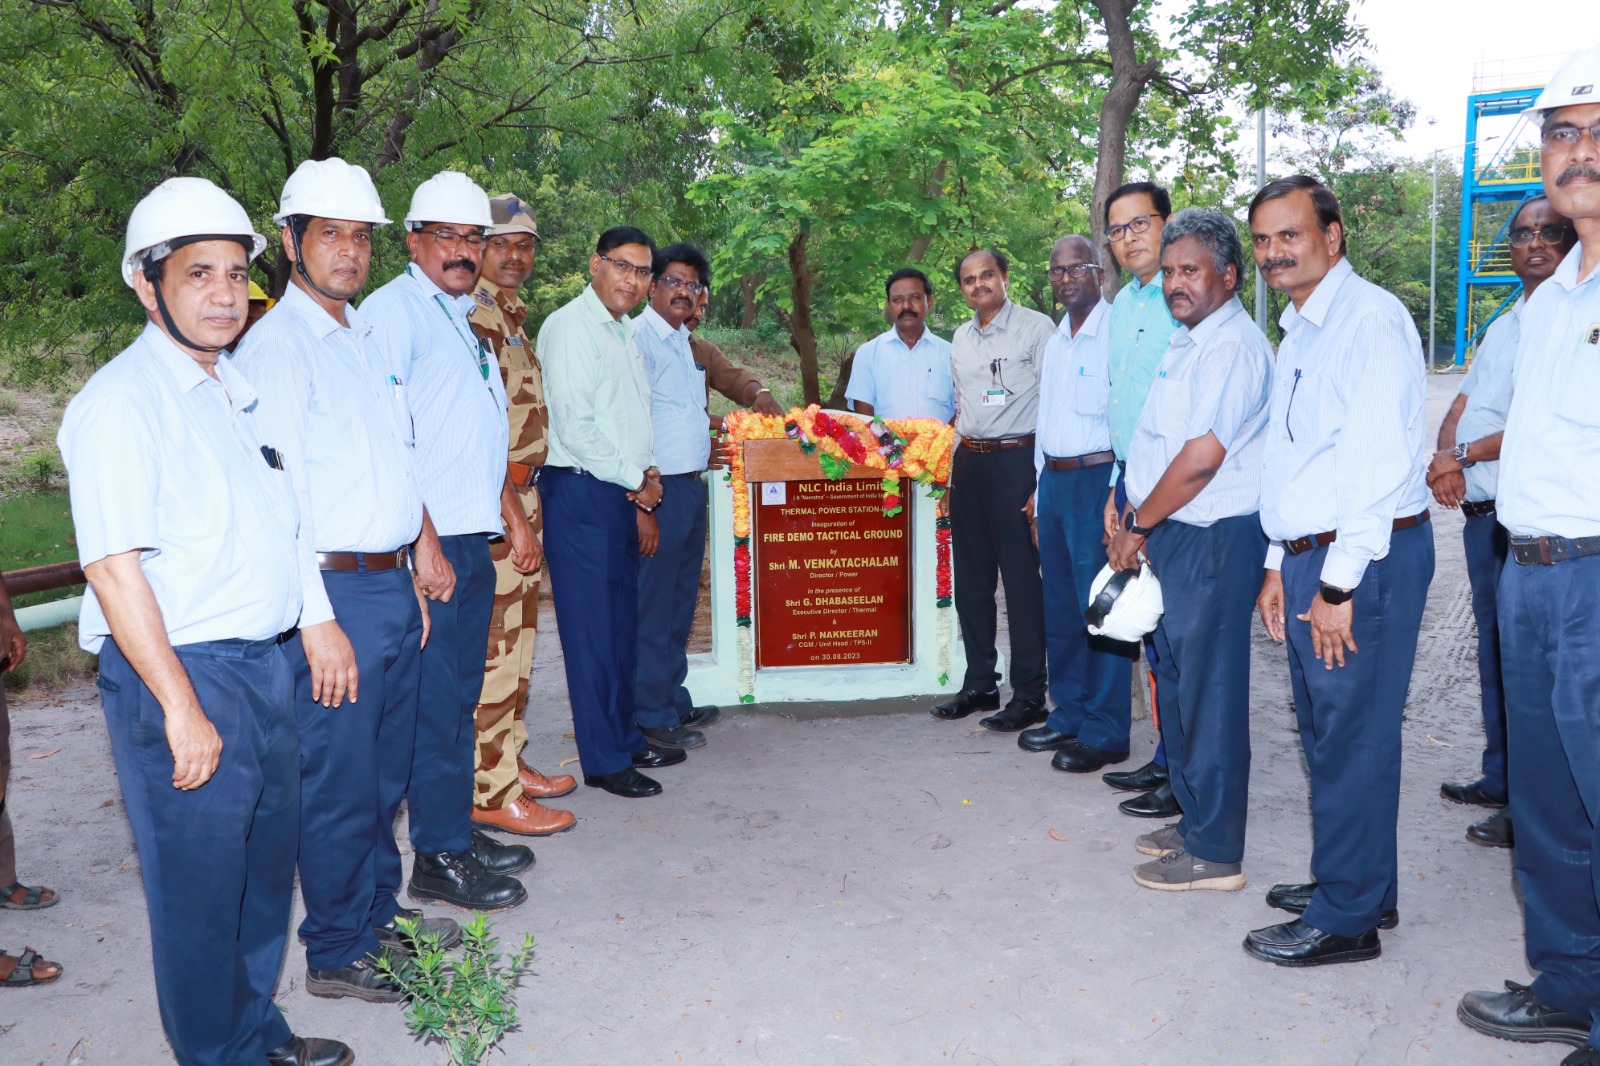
(451,197)
(1576,81)
(330,188)
(182,211)
(1124,604)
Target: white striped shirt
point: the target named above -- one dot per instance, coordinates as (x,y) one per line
(1075,390)
(1344,449)
(457,400)
(1215,378)
(1487,388)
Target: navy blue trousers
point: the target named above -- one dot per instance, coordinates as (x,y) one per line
(1150,654)
(1090,677)
(1209,579)
(1487,544)
(989,542)
(669,588)
(218,861)
(439,798)
(591,536)
(1550,630)
(1350,727)
(355,760)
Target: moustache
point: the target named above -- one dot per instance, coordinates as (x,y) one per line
(233,314)
(907,314)
(462,263)
(1578,170)
(1174,297)
(1280,261)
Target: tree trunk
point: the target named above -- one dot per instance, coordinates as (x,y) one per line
(931,191)
(836,400)
(802,336)
(748,309)
(1128,79)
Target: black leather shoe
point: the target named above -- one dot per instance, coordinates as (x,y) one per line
(700,717)
(679,736)
(651,757)
(1043,738)
(1472,794)
(1019,714)
(360,980)
(628,783)
(1519,1014)
(1296,898)
(459,880)
(1159,802)
(443,933)
(311,1051)
(965,703)
(1584,1056)
(498,858)
(1298,944)
(1080,758)
(1143,779)
(1494,831)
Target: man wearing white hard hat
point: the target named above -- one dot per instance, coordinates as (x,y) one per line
(460,432)
(1549,501)
(337,411)
(187,531)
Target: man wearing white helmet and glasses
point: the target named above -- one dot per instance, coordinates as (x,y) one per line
(457,404)
(1549,502)
(186,526)
(337,411)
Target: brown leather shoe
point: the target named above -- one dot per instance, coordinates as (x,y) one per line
(539,786)
(526,817)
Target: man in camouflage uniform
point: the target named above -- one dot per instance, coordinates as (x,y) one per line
(507,790)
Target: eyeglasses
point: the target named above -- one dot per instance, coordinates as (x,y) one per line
(450,239)
(626,268)
(1136,224)
(1523,236)
(672,284)
(1569,136)
(1077,271)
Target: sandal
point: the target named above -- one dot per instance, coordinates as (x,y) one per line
(26,969)
(20,897)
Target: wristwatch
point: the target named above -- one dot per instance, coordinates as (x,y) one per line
(1135,528)
(1460,453)
(1334,596)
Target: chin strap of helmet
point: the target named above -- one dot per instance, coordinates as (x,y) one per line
(297,229)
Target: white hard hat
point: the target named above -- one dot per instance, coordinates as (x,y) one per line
(330,188)
(1124,604)
(1576,81)
(449,196)
(181,208)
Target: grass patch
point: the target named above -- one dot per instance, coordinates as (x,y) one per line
(53,661)
(35,529)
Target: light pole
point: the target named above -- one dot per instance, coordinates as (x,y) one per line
(1261,180)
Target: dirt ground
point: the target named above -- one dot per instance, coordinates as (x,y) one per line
(837,884)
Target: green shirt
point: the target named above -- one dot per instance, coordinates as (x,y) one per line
(597,392)
(1141,330)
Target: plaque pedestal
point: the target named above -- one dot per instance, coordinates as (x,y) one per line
(836,585)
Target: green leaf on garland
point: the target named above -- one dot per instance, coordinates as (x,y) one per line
(944,679)
(748,698)
(833,467)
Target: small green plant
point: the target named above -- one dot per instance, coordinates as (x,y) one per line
(9,403)
(467,1002)
(42,468)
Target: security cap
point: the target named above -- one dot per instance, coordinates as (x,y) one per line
(1577,81)
(452,197)
(511,215)
(183,211)
(1124,604)
(330,188)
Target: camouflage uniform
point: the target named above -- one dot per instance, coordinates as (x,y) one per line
(497,318)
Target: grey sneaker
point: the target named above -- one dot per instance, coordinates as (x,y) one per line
(1178,871)
(1163,841)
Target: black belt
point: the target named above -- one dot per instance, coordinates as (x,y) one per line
(1477,509)
(1078,462)
(997,444)
(368,561)
(1322,540)
(1547,551)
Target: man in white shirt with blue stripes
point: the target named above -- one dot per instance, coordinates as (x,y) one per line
(904,372)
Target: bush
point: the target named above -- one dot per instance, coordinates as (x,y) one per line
(42,468)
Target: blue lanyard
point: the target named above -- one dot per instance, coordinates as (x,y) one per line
(478,349)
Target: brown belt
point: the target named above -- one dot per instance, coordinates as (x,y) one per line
(1322,540)
(999,444)
(1547,551)
(369,561)
(522,475)
(1078,462)
(1477,509)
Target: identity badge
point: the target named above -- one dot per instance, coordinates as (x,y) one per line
(1593,335)
(994,398)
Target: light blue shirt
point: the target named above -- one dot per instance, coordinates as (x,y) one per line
(1215,378)
(1141,328)
(166,460)
(1550,460)
(457,400)
(1487,388)
(1344,448)
(338,412)
(1074,390)
(901,382)
(678,423)
(598,392)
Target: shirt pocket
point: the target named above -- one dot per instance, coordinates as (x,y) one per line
(1168,408)
(1091,395)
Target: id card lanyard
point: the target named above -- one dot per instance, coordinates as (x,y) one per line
(479,350)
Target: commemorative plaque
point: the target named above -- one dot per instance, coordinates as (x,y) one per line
(832,574)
